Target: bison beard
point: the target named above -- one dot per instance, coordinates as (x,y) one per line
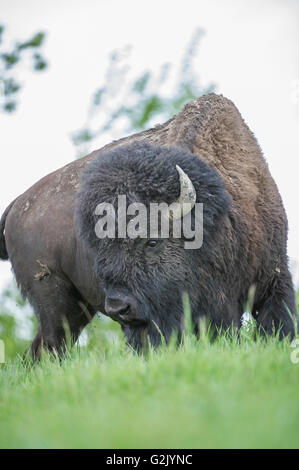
(69,274)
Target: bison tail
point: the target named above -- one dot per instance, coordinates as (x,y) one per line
(3,250)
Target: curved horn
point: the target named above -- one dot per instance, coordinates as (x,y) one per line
(187,196)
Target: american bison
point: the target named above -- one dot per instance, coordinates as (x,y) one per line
(68,273)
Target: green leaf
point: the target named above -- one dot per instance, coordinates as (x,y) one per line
(10,106)
(147,109)
(141,83)
(39,62)
(81,136)
(98,96)
(10,59)
(11,86)
(36,41)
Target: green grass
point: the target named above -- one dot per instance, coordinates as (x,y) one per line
(228,394)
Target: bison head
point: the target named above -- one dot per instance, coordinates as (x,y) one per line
(144,277)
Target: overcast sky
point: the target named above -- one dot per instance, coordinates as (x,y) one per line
(250,50)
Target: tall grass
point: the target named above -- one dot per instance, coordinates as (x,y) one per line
(237,391)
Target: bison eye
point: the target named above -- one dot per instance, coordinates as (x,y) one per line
(152,243)
(153,247)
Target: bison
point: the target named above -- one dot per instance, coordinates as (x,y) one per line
(68,273)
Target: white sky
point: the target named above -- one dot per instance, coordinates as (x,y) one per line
(250,50)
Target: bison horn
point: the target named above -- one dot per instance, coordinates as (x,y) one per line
(187,196)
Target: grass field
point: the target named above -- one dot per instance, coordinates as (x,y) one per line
(226,394)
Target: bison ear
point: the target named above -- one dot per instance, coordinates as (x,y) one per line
(187,197)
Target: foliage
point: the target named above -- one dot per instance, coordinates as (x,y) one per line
(13,57)
(235,392)
(128,103)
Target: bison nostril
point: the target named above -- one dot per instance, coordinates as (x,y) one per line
(116,307)
(124,313)
(121,313)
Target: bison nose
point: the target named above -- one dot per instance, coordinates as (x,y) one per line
(116,307)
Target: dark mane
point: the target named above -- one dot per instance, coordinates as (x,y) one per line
(147,173)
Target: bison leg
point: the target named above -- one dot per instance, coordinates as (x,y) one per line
(277,312)
(62,314)
(221,315)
